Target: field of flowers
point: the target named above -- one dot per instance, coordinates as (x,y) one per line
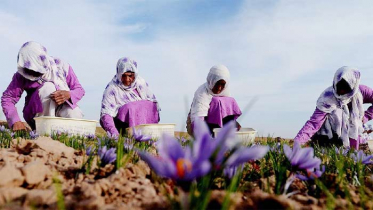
(136,172)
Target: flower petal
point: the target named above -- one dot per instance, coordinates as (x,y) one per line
(243,155)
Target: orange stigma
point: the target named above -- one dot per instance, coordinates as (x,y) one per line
(181,165)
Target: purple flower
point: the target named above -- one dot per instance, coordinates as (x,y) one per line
(362,157)
(91,136)
(33,135)
(244,154)
(125,59)
(311,174)
(175,162)
(27,64)
(57,61)
(153,143)
(2,128)
(128,144)
(301,158)
(59,132)
(230,172)
(276,148)
(111,136)
(89,151)
(12,134)
(106,156)
(342,151)
(138,136)
(183,140)
(222,144)
(135,63)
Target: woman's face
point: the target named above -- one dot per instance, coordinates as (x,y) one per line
(343,87)
(128,78)
(32,73)
(219,86)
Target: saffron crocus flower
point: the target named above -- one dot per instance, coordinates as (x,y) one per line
(245,154)
(276,148)
(342,150)
(112,136)
(128,144)
(207,147)
(138,136)
(33,135)
(362,157)
(225,149)
(106,156)
(301,158)
(89,151)
(175,162)
(230,172)
(311,174)
(2,128)
(183,140)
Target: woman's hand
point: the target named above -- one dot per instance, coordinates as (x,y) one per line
(19,126)
(60,96)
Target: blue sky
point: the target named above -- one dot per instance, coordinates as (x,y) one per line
(284,53)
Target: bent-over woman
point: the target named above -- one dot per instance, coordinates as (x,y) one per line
(51,86)
(339,115)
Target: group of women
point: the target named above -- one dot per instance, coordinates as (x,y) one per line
(54,90)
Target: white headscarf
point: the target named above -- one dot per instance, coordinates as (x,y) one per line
(203,95)
(33,56)
(340,120)
(117,94)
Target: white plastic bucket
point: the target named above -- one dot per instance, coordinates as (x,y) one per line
(370,144)
(154,130)
(245,135)
(50,125)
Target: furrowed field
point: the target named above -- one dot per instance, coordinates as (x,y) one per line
(136,172)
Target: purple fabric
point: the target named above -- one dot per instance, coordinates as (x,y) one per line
(107,123)
(318,118)
(134,113)
(221,107)
(311,127)
(33,103)
(367,98)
